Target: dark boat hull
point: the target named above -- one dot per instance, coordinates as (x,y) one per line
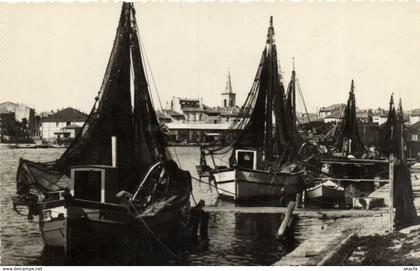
(100,234)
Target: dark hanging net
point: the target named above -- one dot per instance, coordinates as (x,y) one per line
(140,142)
(405,211)
(349,140)
(253,126)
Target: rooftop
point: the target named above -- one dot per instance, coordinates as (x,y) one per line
(415,112)
(415,126)
(67,114)
(335,115)
(198,126)
(331,107)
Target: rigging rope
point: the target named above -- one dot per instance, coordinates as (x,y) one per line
(151,72)
(302,98)
(151,231)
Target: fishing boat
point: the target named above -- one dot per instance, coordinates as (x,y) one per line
(348,161)
(40,190)
(41,186)
(327,191)
(127,198)
(52,222)
(266,143)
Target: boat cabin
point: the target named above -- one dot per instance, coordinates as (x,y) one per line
(246,158)
(94,183)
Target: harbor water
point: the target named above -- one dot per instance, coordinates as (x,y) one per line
(235,239)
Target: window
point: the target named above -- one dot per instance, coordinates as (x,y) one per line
(224,102)
(87,185)
(414,137)
(56,124)
(68,123)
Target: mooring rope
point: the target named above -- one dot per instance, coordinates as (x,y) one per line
(137,215)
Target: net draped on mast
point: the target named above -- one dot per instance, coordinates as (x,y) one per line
(349,140)
(394,142)
(140,142)
(258,129)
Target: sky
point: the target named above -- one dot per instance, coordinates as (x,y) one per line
(54,55)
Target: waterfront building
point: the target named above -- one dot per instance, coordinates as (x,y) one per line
(326,111)
(413,141)
(7,124)
(23,114)
(190,120)
(415,116)
(198,132)
(63,124)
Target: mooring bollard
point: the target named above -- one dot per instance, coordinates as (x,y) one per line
(196,216)
(204,226)
(286,220)
(299,200)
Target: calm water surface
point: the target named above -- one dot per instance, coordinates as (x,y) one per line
(235,239)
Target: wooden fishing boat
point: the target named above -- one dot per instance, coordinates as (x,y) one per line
(40,189)
(347,163)
(326,192)
(244,184)
(52,220)
(138,205)
(127,198)
(267,140)
(52,216)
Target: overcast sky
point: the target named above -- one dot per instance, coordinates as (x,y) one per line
(55,55)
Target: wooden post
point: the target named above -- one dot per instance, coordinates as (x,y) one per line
(204,226)
(391,192)
(114,150)
(299,199)
(288,215)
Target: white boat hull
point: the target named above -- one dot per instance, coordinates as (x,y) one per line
(52,224)
(325,193)
(242,184)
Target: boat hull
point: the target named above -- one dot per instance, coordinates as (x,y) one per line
(325,193)
(245,184)
(100,233)
(52,224)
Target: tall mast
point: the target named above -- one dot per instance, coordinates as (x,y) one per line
(293,102)
(268,147)
(401,123)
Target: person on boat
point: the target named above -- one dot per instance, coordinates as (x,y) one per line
(203,163)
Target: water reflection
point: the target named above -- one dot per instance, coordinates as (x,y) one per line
(239,239)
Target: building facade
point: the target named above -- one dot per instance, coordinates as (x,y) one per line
(415,116)
(63,124)
(22,114)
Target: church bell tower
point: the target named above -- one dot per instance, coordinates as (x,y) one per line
(228,97)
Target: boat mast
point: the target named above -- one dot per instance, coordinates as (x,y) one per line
(293,94)
(401,123)
(268,147)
